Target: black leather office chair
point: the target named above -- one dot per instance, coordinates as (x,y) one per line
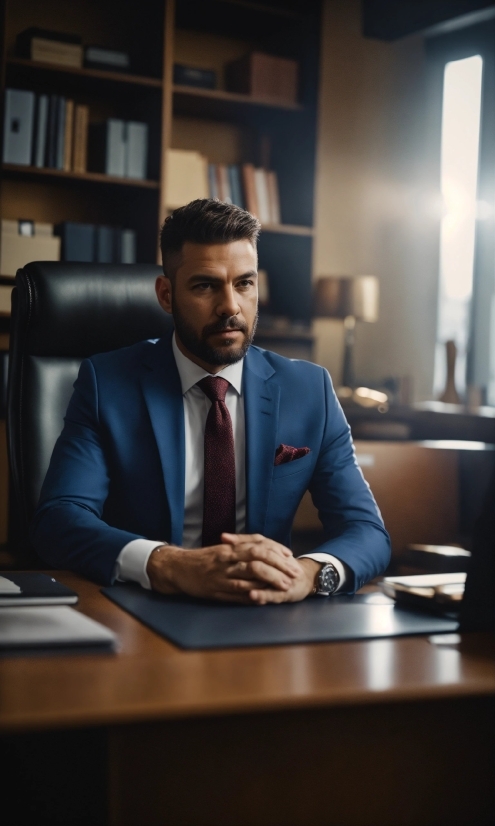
(62,313)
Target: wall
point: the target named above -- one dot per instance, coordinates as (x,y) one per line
(374,196)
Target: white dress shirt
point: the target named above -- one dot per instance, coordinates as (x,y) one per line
(133,559)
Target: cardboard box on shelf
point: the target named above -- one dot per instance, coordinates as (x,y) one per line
(18,249)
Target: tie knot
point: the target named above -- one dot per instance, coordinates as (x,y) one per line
(214,388)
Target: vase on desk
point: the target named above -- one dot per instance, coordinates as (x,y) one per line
(450,394)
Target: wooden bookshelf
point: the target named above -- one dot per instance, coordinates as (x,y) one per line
(225,126)
(86,177)
(98,74)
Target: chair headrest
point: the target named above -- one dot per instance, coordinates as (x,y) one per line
(77,310)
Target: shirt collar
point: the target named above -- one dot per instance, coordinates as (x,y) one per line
(190,373)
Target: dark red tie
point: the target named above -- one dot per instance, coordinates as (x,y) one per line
(219,509)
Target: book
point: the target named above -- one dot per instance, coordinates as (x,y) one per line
(52,132)
(104,245)
(60,141)
(192,76)
(127,247)
(250,189)
(41,131)
(212,180)
(260,182)
(97,57)
(223,183)
(78,241)
(52,626)
(18,249)
(68,135)
(136,150)
(236,193)
(273,198)
(80,147)
(50,47)
(187,177)
(18,127)
(27,588)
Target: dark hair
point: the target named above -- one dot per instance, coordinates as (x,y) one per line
(205,221)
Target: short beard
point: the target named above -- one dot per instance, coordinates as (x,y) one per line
(198,345)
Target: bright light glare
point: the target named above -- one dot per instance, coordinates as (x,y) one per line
(459,172)
(461,113)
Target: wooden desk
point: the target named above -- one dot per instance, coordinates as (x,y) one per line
(381,732)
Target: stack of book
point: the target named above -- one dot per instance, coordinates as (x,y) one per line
(50,47)
(119,147)
(190,176)
(254,189)
(45,131)
(94,243)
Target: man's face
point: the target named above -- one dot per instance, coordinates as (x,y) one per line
(214,302)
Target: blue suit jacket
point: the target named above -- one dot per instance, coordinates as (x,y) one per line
(117,469)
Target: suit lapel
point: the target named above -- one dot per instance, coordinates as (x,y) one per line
(261,405)
(162,391)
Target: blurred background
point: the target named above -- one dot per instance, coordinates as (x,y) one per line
(360,133)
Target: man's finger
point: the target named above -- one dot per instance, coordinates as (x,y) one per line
(266,573)
(268,595)
(247,552)
(255,538)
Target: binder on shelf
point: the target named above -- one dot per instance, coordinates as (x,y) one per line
(262,198)
(78,241)
(18,127)
(273,198)
(187,177)
(236,193)
(60,140)
(136,150)
(18,249)
(108,146)
(41,131)
(105,243)
(212,180)
(51,138)
(223,183)
(250,189)
(127,247)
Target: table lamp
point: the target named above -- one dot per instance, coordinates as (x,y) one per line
(350,298)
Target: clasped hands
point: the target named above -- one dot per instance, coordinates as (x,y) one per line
(246,568)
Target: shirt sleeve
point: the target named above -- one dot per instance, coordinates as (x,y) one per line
(325,559)
(132,561)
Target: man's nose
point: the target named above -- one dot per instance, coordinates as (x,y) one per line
(228,305)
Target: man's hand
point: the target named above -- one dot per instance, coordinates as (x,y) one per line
(233,571)
(302,583)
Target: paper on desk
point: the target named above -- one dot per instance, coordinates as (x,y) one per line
(8,587)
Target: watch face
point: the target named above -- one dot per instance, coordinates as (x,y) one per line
(328,580)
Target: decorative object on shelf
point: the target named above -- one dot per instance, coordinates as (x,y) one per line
(24,241)
(50,47)
(98,57)
(264,76)
(450,394)
(192,76)
(353,298)
(18,126)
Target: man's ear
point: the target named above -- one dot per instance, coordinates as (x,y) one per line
(163,288)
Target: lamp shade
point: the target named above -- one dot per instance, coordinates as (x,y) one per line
(343,296)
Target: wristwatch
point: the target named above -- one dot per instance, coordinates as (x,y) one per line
(327,581)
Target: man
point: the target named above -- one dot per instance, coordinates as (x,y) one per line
(182,461)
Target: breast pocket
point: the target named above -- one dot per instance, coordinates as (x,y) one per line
(305,463)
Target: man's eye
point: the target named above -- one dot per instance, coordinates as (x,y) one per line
(203,286)
(248,282)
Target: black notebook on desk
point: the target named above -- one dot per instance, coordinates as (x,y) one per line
(200,624)
(29,588)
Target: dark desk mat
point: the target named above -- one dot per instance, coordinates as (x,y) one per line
(200,624)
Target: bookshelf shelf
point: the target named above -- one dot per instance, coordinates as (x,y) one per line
(192,100)
(89,177)
(31,66)
(288,229)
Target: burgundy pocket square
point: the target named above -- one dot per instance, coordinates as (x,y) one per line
(286,453)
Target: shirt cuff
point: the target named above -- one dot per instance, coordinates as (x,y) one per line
(132,561)
(326,559)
